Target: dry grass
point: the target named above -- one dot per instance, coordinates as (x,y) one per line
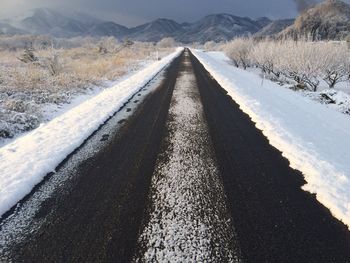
(78,67)
(57,75)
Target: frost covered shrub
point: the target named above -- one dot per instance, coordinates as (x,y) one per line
(15,105)
(167,42)
(28,56)
(336,59)
(306,63)
(300,62)
(238,50)
(264,55)
(211,45)
(18,113)
(14,123)
(310,62)
(108,45)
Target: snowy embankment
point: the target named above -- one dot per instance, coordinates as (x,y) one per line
(27,160)
(314,138)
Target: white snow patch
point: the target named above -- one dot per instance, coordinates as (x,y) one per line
(22,223)
(22,111)
(314,138)
(333,98)
(26,161)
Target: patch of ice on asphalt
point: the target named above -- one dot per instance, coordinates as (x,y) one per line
(188,220)
(313,137)
(26,161)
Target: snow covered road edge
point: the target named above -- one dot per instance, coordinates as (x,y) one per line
(314,138)
(26,161)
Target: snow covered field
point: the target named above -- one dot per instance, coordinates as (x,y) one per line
(45,147)
(313,137)
(30,95)
(23,111)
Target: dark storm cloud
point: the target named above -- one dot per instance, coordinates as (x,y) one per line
(131,12)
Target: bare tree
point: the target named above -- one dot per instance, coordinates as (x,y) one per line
(304,61)
(264,55)
(238,50)
(300,61)
(28,55)
(336,62)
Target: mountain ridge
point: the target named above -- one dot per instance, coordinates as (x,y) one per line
(327,20)
(214,27)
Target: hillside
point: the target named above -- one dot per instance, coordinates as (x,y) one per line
(219,27)
(7,29)
(274,28)
(108,29)
(328,20)
(155,30)
(47,21)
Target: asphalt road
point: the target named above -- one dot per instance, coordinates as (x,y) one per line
(97,219)
(186,182)
(275,220)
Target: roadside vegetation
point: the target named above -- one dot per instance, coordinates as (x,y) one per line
(303,62)
(39,74)
(321,69)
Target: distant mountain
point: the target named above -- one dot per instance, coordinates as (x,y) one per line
(219,27)
(263,21)
(328,20)
(108,29)
(274,28)
(85,18)
(7,29)
(155,30)
(47,21)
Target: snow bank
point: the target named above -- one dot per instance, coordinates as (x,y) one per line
(336,99)
(314,138)
(26,161)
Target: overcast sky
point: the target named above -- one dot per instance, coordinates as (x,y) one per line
(134,12)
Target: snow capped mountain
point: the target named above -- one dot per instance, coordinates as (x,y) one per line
(47,21)
(108,29)
(274,28)
(155,30)
(219,27)
(328,20)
